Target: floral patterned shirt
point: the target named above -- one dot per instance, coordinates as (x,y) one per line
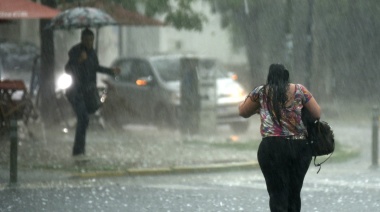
(291,116)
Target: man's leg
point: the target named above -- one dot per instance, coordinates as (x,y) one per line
(82,123)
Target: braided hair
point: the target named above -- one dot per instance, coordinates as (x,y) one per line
(276,90)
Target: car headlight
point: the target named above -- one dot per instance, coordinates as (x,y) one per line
(64,81)
(238,93)
(231,95)
(233,92)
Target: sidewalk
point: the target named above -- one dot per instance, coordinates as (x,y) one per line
(147,150)
(135,150)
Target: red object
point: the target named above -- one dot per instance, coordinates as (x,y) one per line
(12,85)
(25,9)
(11,106)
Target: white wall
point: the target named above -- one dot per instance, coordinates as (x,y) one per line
(21,31)
(140,40)
(212,41)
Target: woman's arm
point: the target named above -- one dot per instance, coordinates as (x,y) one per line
(313,107)
(248,107)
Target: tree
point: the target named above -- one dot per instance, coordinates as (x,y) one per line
(245,20)
(309,50)
(334,42)
(47,86)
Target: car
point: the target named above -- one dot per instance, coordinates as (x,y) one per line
(147,91)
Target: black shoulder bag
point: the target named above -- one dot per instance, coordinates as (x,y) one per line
(320,137)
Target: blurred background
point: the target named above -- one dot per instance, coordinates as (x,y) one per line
(330,46)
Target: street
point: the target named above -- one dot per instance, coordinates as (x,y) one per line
(335,188)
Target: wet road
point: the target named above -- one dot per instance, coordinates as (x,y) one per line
(337,188)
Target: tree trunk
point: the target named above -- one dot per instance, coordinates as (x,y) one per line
(47,85)
(252,43)
(289,35)
(309,48)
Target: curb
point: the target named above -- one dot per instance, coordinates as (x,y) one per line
(169,170)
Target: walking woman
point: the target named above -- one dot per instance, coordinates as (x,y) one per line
(284,155)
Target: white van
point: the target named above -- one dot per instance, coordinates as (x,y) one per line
(147,91)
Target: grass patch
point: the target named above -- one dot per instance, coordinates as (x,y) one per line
(243,146)
(342,152)
(228,144)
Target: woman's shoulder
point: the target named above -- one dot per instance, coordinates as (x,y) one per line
(257,89)
(300,86)
(302,92)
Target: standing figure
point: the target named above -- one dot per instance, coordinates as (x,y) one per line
(284,154)
(83,65)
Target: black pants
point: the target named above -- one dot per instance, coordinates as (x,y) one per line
(79,107)
(284,163)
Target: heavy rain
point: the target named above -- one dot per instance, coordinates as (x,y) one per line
(167,135)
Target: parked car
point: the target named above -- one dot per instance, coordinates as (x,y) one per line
(148,91)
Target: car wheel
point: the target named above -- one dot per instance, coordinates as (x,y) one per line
(239,127)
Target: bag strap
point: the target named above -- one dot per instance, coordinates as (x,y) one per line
(315,157)
(320,164)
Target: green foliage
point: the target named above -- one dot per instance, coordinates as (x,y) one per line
(342,152)
(130,4)
(153,7)
(242,146)
(185,20)
(234,17)
(179,13)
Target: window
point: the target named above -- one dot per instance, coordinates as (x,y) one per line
(169,69)
(125,70)
(139,70)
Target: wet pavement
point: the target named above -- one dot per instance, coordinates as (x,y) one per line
(139,150)
(133,150)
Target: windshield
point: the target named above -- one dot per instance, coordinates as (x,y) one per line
(169,69)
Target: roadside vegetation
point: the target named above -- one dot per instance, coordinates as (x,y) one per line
(341,153)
